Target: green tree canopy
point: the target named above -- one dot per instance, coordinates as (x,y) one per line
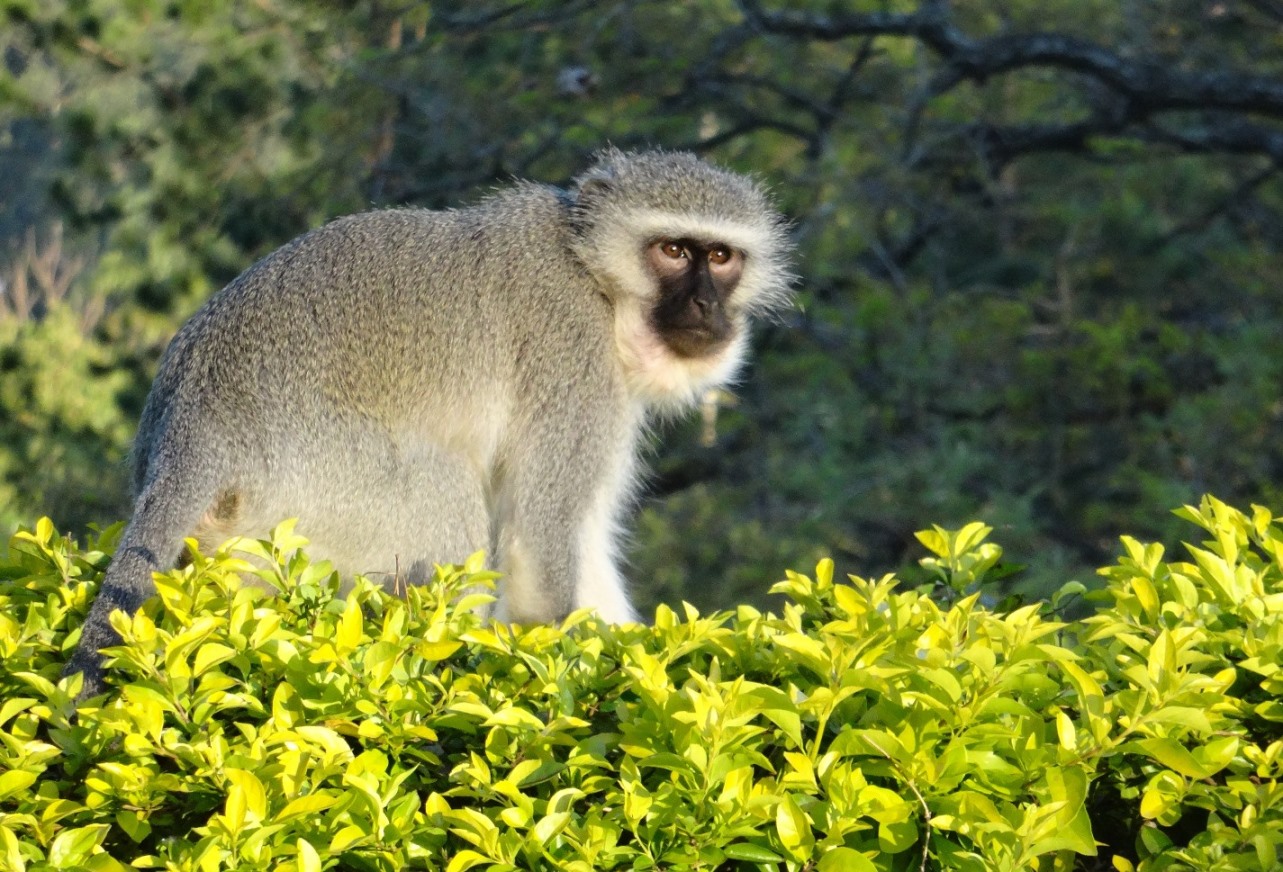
(1039,239)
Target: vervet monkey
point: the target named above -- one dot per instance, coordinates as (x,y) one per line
(418,385)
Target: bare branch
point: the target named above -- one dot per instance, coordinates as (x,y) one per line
(507,17)
(1141,87)
(1227,204)
(40,276)
(1271,8)
(1225,136)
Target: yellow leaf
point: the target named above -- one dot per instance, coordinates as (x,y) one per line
(853,604)
(234,809)
(1091,697)
(1066,732)
(16,781)
(969,537)
(514,717)
(210,655)
(284,537)
(637,802)
(1153,803)
(435,651)
(1144,590)
(466,860)
(305,805)
(792,825)
(811,652)
(475,563)
(308,859)
(550,825)
(11,853)
(936,541)
(517,818)
(348,633)
(346,838)
(253,797)
(323,737)
(1161,664)
(1178,758)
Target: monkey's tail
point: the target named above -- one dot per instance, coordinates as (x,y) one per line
(174,497)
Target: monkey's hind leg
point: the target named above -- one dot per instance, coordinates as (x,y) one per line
(170,505)
(429,508)
(454,523)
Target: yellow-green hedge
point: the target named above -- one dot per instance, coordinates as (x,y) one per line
(867,726)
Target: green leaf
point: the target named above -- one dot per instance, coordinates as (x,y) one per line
(773,704)
(73,847)
(897,836)
(16,781)
(1202,763)
(751,852)
(210,655)
(550,825)
(14,706)
(514,717)
(134,824)
(303,806)
(793,827)
(845,860)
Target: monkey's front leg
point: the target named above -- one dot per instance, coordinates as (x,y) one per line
(558,527)
(599,585)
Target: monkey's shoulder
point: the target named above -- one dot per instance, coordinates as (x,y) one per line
(511,213)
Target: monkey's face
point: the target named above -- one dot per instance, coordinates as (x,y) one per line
(686,254)
(695,281)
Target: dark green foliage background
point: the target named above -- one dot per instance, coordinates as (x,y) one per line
(1065,343)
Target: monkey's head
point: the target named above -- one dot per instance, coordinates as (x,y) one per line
(687,253)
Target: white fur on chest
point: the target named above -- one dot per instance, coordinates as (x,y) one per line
(660,379)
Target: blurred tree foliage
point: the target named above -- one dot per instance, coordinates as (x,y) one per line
(1040,239)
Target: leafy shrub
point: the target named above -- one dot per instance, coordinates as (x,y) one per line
(867,726)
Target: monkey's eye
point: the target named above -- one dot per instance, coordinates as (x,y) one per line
(673,250)
(719,255)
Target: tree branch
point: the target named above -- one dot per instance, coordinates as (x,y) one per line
(1142,87)
(1271,8)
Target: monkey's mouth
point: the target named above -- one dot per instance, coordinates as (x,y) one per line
(696,340)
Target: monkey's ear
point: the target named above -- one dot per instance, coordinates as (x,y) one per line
(598,180)
(595,185)
(590,191)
